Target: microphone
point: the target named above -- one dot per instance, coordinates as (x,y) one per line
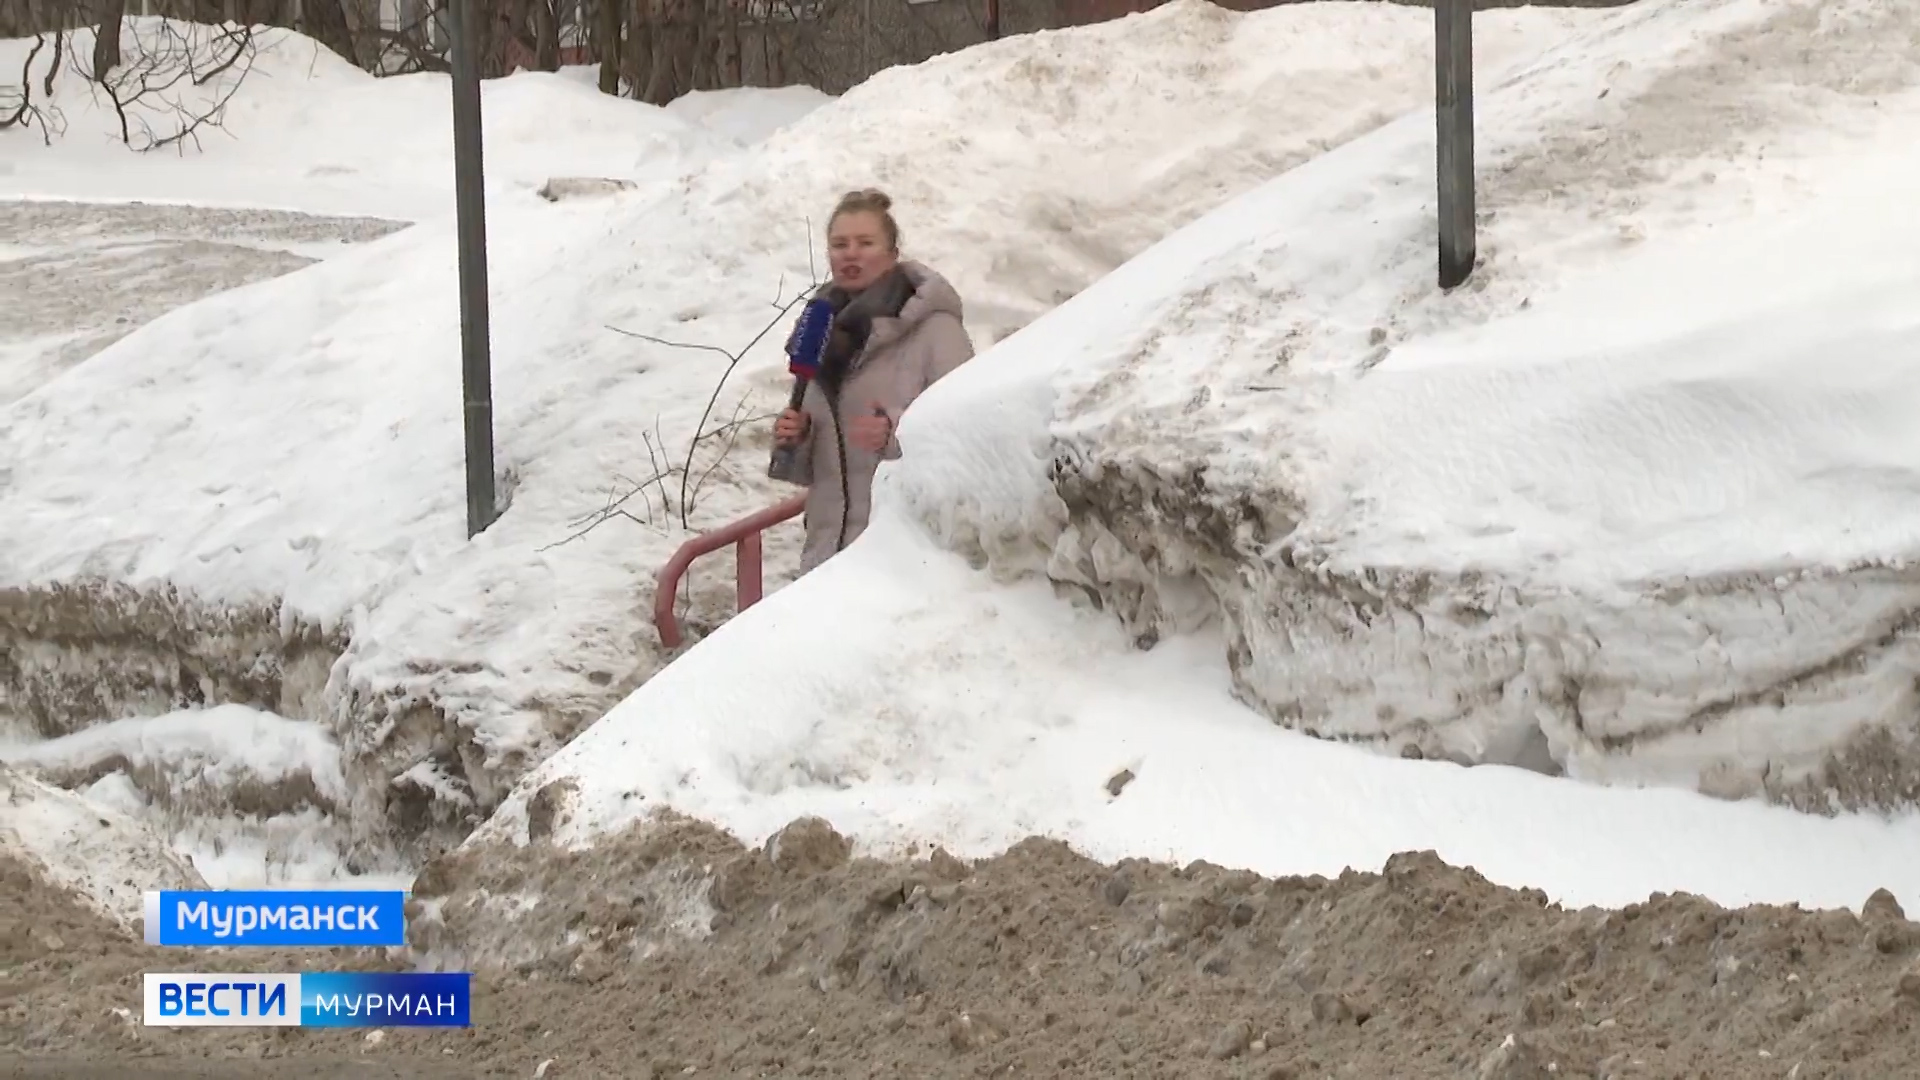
(806,349)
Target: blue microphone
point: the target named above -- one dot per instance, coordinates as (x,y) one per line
(806,349)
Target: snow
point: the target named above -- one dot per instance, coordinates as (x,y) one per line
(1601,499)
(1630,505)
(294,446)
(747,115)
(89,274)
(247,798)
(1693,438)
(951,710)
(305,130)
(220,747)
(105,857)
(1302,484)
(299,849)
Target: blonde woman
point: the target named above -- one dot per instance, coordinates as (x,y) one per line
(896,330)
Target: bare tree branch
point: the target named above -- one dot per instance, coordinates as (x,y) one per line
(731,429)
(53,66)
(733,362)
(25,112)
(725,435)
(782,306)
(673,344)
(615,508)
(161,77)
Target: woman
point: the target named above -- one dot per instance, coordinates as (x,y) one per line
(896,331)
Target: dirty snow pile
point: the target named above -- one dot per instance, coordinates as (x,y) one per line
(294,126)
(1619,480)
(248,797)
(108,858)
(277,471)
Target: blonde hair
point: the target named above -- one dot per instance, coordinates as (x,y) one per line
(869,201)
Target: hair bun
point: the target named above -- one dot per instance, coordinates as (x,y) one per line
(867,199)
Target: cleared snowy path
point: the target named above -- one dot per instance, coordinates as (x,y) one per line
(84,275)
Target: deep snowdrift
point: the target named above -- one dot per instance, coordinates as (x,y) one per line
(302,129)
(941,708)
(219,505)
(1601,505)
(1637,502)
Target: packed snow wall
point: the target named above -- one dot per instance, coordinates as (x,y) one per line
(1447,526)
(72,654)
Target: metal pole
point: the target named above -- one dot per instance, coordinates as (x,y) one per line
(1453,108)
(993,20)
(470,202)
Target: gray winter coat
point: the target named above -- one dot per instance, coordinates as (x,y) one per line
(903,356)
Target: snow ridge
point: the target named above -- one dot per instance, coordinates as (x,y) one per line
(1298,485)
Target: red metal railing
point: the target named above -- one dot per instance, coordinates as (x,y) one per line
(744,536)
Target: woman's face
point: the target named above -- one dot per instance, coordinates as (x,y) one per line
(858,251)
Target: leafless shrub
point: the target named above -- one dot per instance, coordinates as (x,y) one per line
(177,82)
(707,450)
(18,106)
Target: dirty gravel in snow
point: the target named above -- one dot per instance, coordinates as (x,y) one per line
(91,273)
(1042,963)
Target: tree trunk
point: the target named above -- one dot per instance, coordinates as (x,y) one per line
(492,24)
(326,22)
(702,48)
(735,48)
(636,55)
(106,43)
(546,35)
(773,57)
(611,23)
(656,89)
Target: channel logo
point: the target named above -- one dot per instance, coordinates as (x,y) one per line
(325,999)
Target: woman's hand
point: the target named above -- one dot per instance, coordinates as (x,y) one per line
(870,433)
(791,428)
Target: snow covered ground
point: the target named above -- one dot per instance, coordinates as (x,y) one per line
(88,274)
(1636,502)
(194,784)
(303,130)
(951,710)
(286,458)
(1627,506)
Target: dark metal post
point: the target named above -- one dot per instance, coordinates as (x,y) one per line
(993,20)
(470,205)
(1453,104)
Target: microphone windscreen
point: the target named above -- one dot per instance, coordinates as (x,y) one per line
(808,346)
